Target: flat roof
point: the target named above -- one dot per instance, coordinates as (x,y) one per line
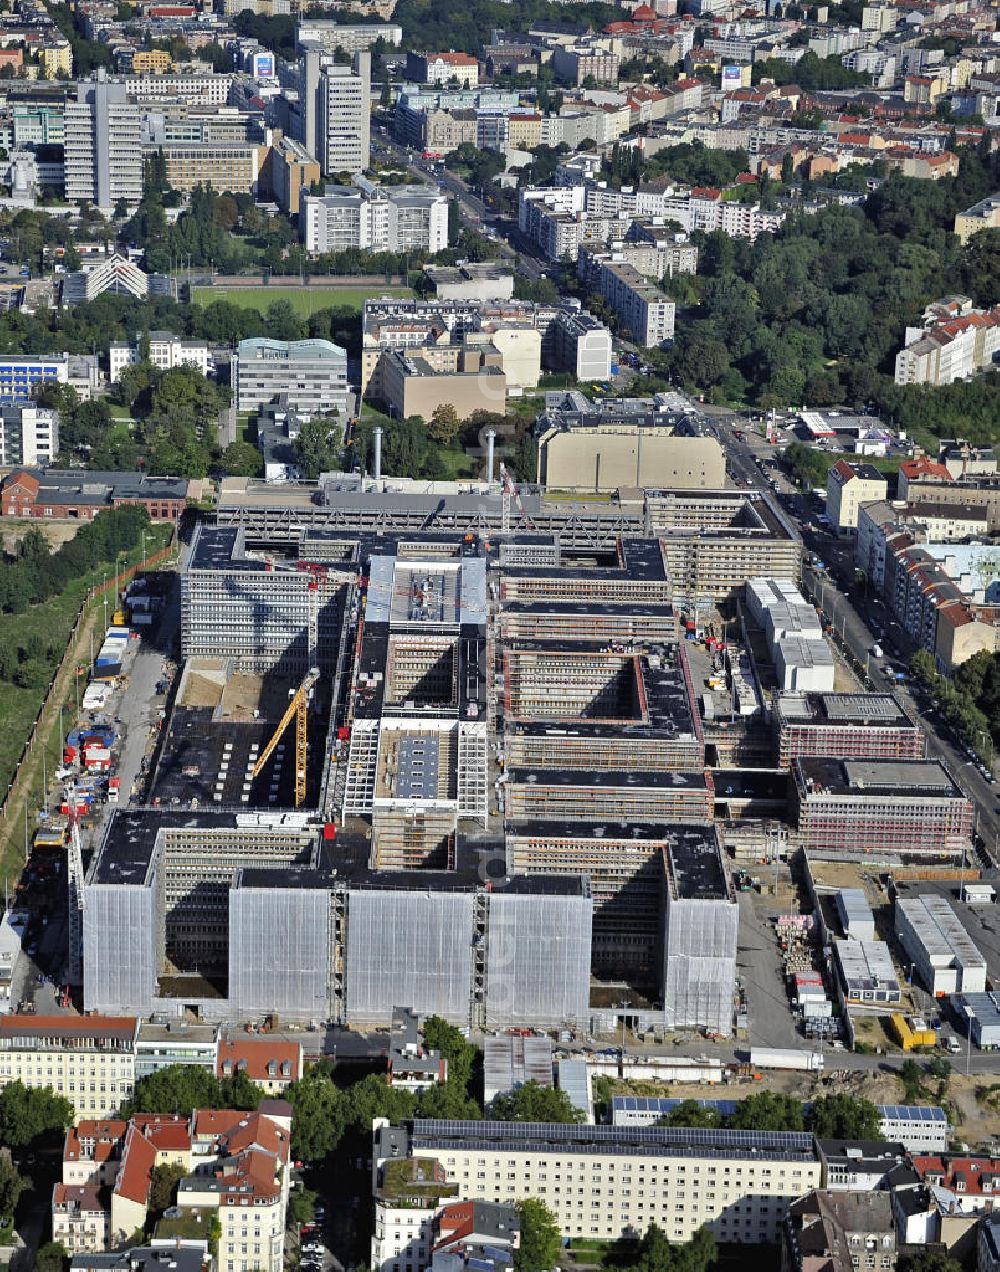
(873,710)
(625,1141)
(876,778)
(696,868)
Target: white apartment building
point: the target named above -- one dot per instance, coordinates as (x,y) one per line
(408,219)
(646,313)
(29,435)
(581,344)
(602,1182)
(955,349)
(89,1060)
(311,373)
(203,90)
(166,351)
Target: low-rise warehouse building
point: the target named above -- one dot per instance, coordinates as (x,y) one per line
(944,955)
(984,1020)
(855,914)
(866,972)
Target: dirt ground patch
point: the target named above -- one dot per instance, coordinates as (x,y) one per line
(57,532)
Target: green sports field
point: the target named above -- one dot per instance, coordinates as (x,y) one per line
(304,300)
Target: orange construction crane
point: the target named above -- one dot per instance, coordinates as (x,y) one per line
(299,708)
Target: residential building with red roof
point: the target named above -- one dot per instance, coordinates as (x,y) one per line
(848,486)
(92,1152)
(922,469)
(269,1063)
(79,1218)
(443,68)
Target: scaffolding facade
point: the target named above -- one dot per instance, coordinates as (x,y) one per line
(410,949)
(538,955)
(278,949)
(699,971)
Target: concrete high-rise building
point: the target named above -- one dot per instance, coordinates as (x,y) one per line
(103,145)
(335,111)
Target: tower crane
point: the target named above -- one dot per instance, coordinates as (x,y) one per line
(297,707)
(74,881)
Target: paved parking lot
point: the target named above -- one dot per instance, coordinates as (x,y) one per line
(758,963)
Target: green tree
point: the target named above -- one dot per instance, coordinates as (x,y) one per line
(12,1185)
(439,1035)
(301,1207)
(767,1111)
(445,424)
(912,1078)
(692,1113)
(321,1116)
(29,1113)
(844,1117)
(541,1239)
(51,1257)
(317,449)
(179,1088)
(534,1103)
(241,459)
(163,1185)
(929,1261)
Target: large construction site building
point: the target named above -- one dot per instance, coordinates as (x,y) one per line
(847,726)
(880,808)
(701,921)
(236,915)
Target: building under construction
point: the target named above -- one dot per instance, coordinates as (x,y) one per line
(234,916)
(883,809)
(847,726)
(701,921)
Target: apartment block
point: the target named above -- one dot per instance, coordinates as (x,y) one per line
(29,435)
(407,219)
(166,351)
(581,344)
(984,215)
(581,62)
(848,486)
(617,1180)
(292,171)
(310,374)
(864,808)
(955,342)
(351,38)
(644,312)
(89,1061)
(195,90)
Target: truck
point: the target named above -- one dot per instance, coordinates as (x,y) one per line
(876,650)
(786,1058)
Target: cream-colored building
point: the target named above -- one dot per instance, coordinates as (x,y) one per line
(984,215)
(609,456)
(468,378)
(79,1218)
(520,349)
(605,1182)
(848,486)
(89,1060)
(54,58)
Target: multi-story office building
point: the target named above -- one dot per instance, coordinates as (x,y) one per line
(863,807)
(293,170)
(28,435)
(233,166)
(204,90)
(407,219)
(848,726)
(331,35)
(89,1060)
(605,1182)
(103,145)
(166,351)
(335,111)
(311,374)
(33,125)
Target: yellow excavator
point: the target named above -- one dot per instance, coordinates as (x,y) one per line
(299,708)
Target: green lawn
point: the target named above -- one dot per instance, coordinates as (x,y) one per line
(304,300)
